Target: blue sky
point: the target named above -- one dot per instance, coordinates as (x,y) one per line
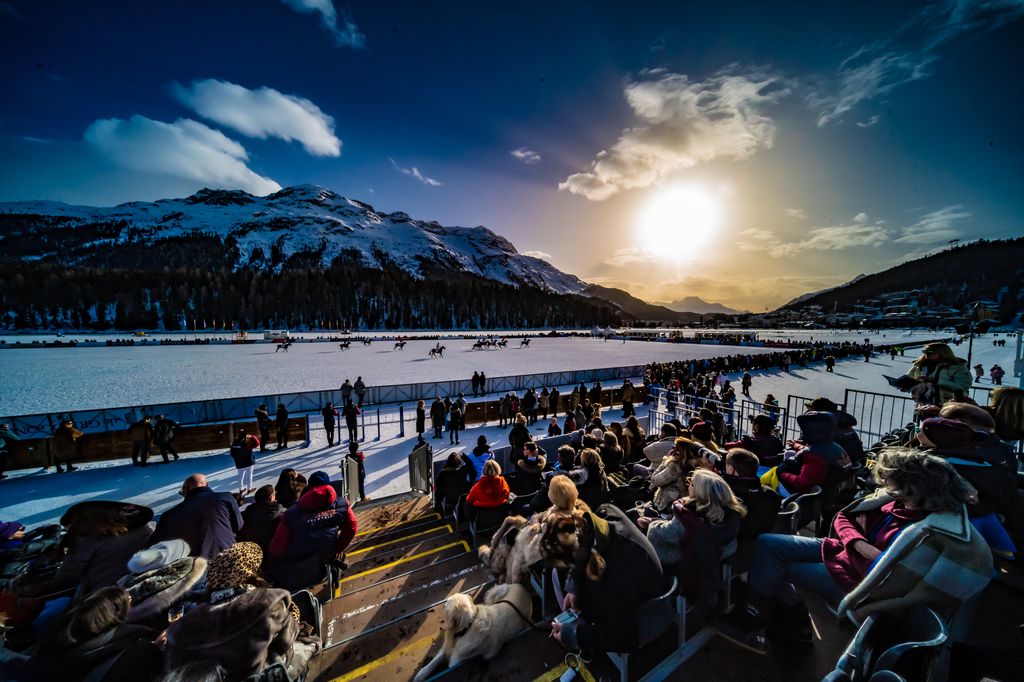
(798,145)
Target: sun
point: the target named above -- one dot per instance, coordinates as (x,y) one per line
(679,219)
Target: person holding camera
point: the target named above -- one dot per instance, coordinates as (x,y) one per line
(613,570)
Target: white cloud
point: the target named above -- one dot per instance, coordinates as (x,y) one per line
(870,122)
(543,255)
(185,149)
(866,74)
(797,213)
(631,256)
(877,68)
(527,156)
(346,35)
(679,125)
(413,171)
(859,232)
(262,113)
(937,226)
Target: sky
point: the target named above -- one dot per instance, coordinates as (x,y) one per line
(745,153)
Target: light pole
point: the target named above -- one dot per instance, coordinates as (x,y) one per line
(972,317)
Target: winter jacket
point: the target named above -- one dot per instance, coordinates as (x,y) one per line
(986,470)
(821,454)
(97,654)
(437,413)
(329,414)
(281,417)
(451,484)
(611,457)
(241,454)
(164,430)
(421,419)
(543,402)
(488,492)
(632,575)
(320,523)
(656,451)
(154,592)
(945,377)
(64,442)
(243,634)
(477,458)
(351,414)
(668,483)
(259,523)
(518,437)
(594,487)
(940,561)
(206,520)
(141,430)
(762,505)
(262,419)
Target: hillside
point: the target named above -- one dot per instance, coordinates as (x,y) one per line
(981,270)
(301,257)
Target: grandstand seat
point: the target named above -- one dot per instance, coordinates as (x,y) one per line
(302,574)
(786,520)
(892,646)
(809,510)
(487,519)
(660,613)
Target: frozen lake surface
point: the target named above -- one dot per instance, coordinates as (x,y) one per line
(62,379)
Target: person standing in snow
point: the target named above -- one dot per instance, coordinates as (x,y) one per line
(263,424)
(346,391)
(351,414)
(281,422)
(330,414)
(979,372)
(437,415)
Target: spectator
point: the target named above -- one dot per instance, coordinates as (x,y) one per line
(260,519)
(553,428)
(164,432)
(438,412)
(1006,405)
(846,436)
(594,487)
(346,391)
(942,371)
(281,422)
(656,451)
(490,491)
(330,415)
(244,459)
(669,481)
(611,453)
(454,423)
(762,502)
(544,402)
(613,570)
(101,537)
(909,543)
(762,442)
(530,466)
(289,487)
(263,426)
(421,419)
(702,529)
(321,524)
(997,373)
(141,433)
(7,436)
(632,440)
(483,383)
(206,520)
(479,456)
(519,435)
(816,459)
(453,480)
(351,414)
(981,420)
(360,389)
(360,460)
(553,401)
(89,636)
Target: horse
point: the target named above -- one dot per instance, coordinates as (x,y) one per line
(525,343)
(502,343)
(344,345)
(366,341)
(436,352)
(399,345)
(479,344)
(283,346)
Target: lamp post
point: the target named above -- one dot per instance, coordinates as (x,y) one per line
(972,317)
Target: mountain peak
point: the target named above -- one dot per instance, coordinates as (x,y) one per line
(695,304)
(220,197)
(314,194)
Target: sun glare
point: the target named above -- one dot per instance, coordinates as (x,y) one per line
(679,219)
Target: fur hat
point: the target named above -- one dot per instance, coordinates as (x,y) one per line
(154,592)
(238,564)
(159,555)
(533,465)
(950,433)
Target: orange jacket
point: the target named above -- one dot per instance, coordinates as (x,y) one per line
(489,491)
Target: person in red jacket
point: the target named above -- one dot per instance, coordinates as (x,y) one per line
(490,490)
(320,523)
(816,456)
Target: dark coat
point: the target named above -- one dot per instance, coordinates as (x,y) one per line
(241,454)
(97,653)
(259,521)
(632,575)
(438,412)
(329,415)
(313,526)
(421,419)
(206,520)
(164,430)
(762,505)
(282,416)
(518,437)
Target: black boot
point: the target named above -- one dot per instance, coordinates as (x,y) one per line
(745,626)
(792,622)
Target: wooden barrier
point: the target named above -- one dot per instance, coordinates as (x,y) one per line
(99,447)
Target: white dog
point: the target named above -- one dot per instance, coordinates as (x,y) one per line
(480,629)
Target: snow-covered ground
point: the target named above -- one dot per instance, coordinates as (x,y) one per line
(35,498)
(62,379)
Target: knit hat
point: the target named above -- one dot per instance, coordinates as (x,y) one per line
(950,433)
(703,431)
(319,478)
(235,565)
(159,555)
(9,528)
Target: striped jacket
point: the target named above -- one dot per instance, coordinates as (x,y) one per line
(940,561)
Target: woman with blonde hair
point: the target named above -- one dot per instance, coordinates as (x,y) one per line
(491,489)
(942,371)
(709,509)
(1006,405)
(594,487)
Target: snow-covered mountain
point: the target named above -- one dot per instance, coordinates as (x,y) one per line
(812,294)
(696,304)
(267,231)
